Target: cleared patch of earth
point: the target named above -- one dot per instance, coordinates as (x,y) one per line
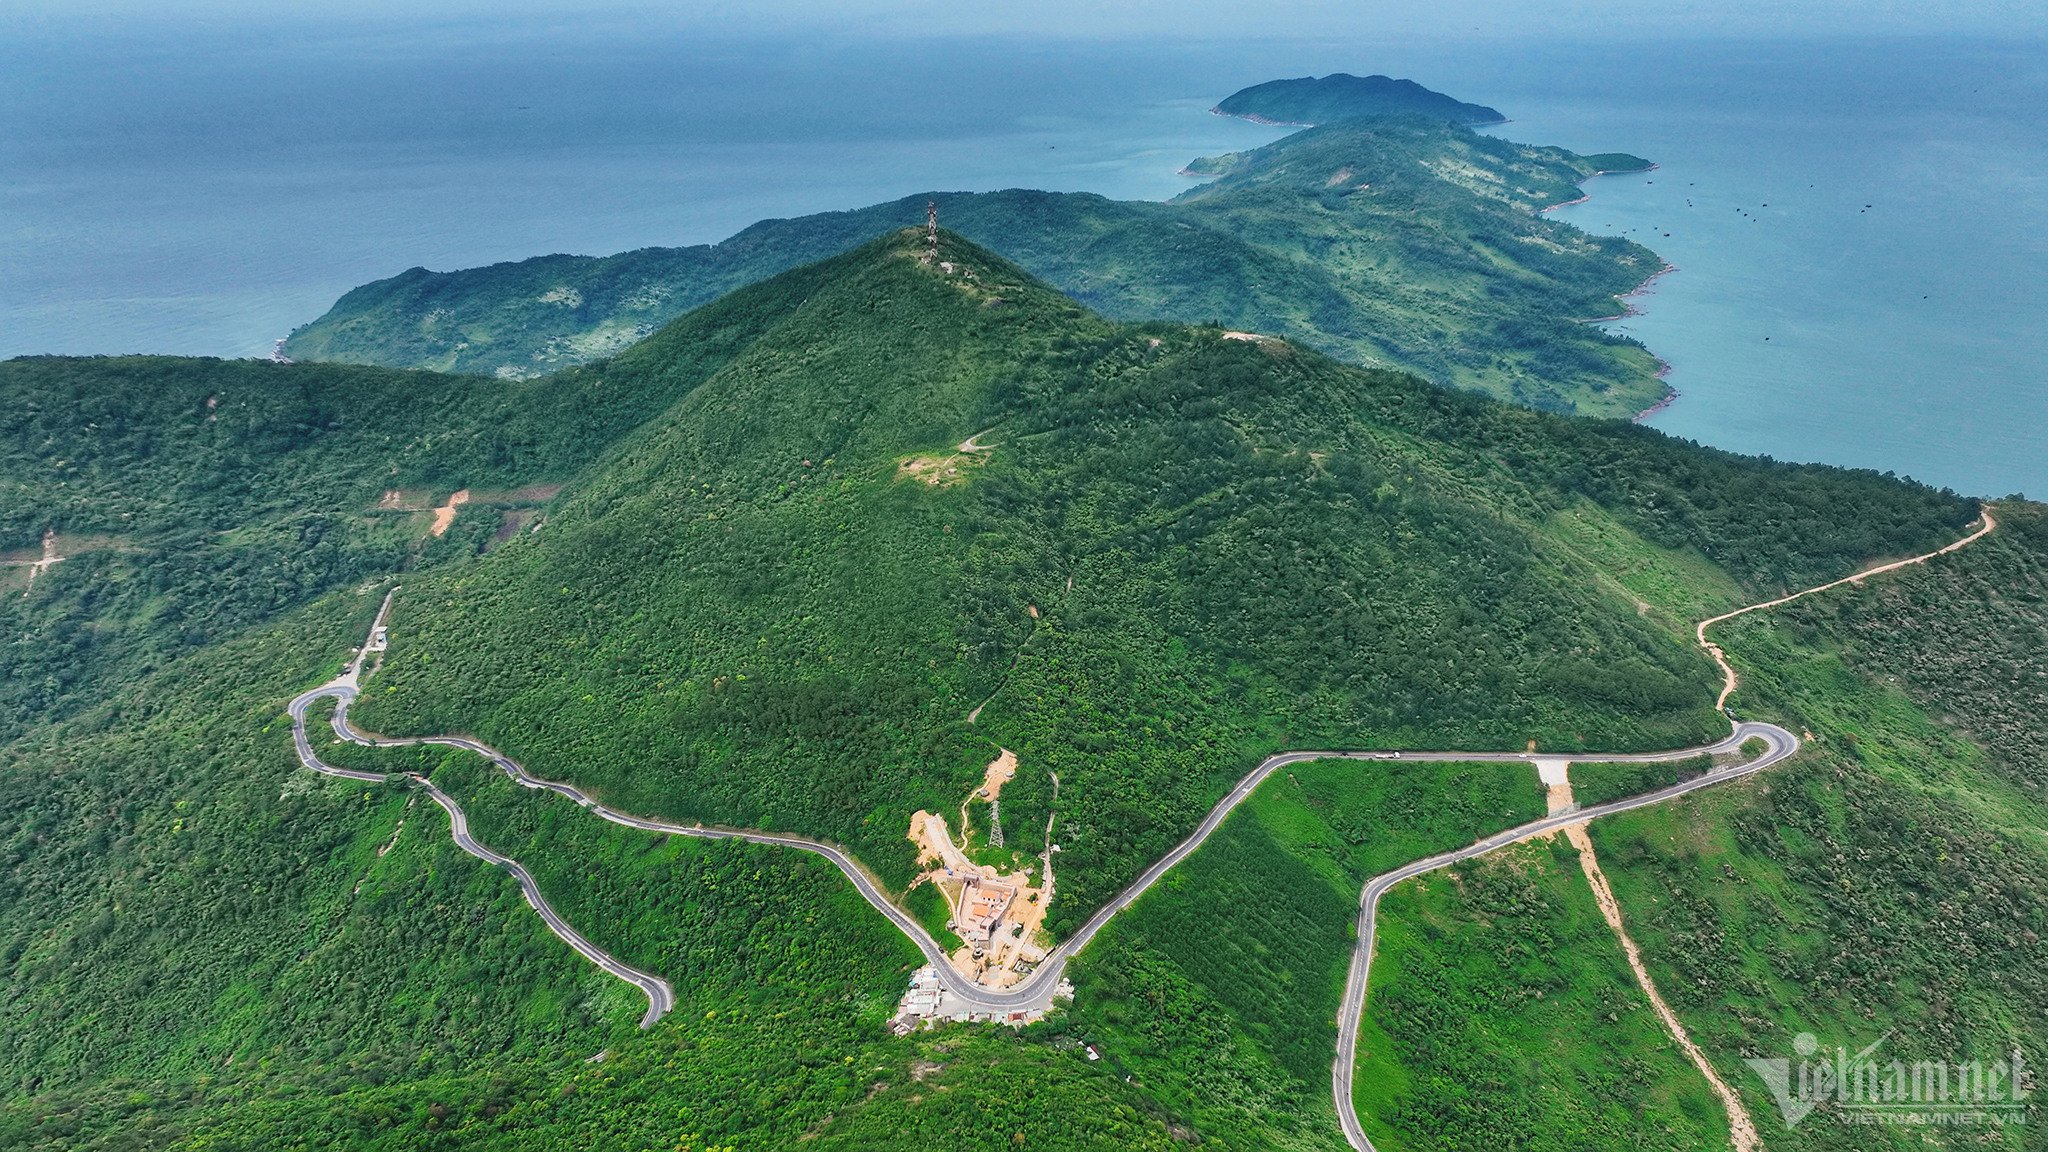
(937,471)
(445,514)
(1000,772)
(998,916)
(55,550)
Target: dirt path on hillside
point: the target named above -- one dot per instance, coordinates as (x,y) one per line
(1769,745)
(1741,1129)
(50,558)
(1729,681)
(445,514)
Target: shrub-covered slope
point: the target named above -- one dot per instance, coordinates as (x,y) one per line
(1891,886)
(1887,886)
(192,498)
(1442,266)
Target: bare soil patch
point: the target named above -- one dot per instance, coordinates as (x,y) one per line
(999,917)
(939,470)
(1001,771)
(445,514)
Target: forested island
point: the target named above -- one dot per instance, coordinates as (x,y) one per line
(1310,100)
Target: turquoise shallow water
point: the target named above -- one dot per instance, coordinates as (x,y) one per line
(1859,237)
(205,189)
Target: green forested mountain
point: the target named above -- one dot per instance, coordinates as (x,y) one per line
(190,499)
(824,584)
(1404,242)
(800,536)
(1342,96)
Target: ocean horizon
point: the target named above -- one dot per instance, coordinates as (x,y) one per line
(1857,225)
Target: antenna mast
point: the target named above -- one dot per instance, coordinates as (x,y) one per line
(931,231)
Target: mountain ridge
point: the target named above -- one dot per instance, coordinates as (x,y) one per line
(1292,247)
(772,587)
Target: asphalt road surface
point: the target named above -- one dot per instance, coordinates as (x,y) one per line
(1036,991)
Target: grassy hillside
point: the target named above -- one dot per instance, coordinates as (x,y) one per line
(1217,991)
(1895,882)
(1441,266)
(776,582)
(1504,1015)
(1889,882)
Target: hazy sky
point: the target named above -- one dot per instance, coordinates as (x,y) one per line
(1170,19)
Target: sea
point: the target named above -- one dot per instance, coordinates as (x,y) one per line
(1857,225)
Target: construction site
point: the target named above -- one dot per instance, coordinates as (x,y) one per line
(997,915)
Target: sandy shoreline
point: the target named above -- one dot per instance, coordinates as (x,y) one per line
(1255,118)
(1589,195)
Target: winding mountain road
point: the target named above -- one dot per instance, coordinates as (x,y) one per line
(1778,744)
(1036,991)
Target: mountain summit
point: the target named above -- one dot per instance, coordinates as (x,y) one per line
(835,557)
(911,490)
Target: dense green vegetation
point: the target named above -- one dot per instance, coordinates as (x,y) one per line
(195,498)
(347,978)
(1598,783)
(1963,636)
(1618,162)
(1181,552)
(182,903)
(1843,900)
(1887,879)
(1403,242)
(1217,991)
(1342,96)
(1895,881)
(770,592)
(1503,1015)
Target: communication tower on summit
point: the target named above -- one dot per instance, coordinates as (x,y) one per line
(931,231)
